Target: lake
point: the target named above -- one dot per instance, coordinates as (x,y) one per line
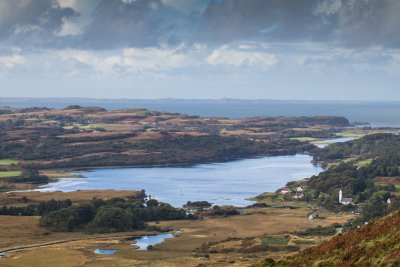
(229,183)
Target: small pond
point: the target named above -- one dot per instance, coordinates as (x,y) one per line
(145,241)
(105,251)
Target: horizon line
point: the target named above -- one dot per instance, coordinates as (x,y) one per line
(174,99)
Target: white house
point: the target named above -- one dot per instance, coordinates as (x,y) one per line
(299,195)
(344,200)
(299,189)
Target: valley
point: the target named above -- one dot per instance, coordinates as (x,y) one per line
(57,164)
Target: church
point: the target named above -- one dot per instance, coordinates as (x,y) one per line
(344,200)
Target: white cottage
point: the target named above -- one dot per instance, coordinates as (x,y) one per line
(344,200)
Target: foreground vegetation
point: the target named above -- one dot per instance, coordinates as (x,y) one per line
(375,244)
(235,239)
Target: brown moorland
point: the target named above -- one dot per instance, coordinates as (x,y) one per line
(47,247)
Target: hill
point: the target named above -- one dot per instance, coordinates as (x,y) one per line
(374,244)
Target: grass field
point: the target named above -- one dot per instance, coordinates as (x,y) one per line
(8,161)
(303,139)
(7,174)
(274,199)
(364,163)
(76,249)
(13,198)
(358,133)
(274,240)
(337,163)
(355,161)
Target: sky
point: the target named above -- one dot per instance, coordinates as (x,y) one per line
(250,49)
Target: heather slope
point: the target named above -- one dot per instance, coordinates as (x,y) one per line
(374,244)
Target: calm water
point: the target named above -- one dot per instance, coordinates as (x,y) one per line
(227,183)
(105,251)
(145,241)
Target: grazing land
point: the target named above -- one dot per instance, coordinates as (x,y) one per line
(8,161)
(6,174)
(81,196)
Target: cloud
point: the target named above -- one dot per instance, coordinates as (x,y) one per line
(270,20)
(115,24)
(12,61)
(77,24)
(370,22)
(69,27)
(356,23)
(328,7)
(140,23)
(31,21)
(187,6)
(128,60)
(241,56)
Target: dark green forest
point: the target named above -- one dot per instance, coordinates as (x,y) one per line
(98,215)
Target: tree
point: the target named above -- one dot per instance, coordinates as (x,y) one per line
(63,220)
(112,219)
(152,203)
(85,212)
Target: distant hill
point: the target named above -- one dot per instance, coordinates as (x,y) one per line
(374,244)
(378,114)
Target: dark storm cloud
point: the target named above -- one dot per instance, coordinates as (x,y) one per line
(263,19)
(349,22)
(34,21)
(137,23)
(142,23)
(373,22)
